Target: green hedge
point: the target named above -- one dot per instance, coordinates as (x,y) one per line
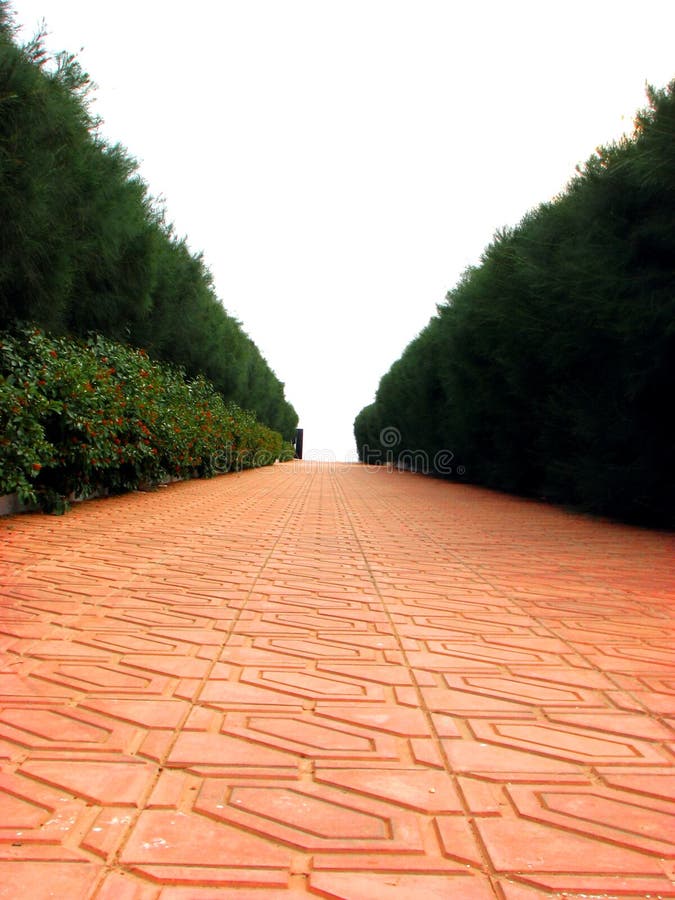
(84,247)
(83,416)
(550,370)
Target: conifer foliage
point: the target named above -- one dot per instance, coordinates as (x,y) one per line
(550,369)
(83,247)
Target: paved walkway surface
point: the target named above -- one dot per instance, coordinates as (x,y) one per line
(349,684)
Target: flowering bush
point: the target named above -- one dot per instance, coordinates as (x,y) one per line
(79,417)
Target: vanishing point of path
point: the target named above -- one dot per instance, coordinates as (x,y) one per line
(350,684)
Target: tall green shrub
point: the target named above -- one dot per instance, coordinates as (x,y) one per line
(550,369)
(83,247)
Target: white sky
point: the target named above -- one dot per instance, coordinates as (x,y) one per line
(340,162)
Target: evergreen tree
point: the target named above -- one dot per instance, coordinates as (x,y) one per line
(84,248)
(550,369)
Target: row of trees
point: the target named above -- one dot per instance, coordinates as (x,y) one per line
(84,248)
(550,369)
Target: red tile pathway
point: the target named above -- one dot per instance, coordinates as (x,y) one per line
(339,683)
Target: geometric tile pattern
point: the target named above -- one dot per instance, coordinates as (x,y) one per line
(334,682)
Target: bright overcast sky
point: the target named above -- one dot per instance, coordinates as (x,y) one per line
(341,162)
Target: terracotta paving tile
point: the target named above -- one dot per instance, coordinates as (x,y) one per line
(391,719)
(105,783)
(588,886)
(196,748)
(514,846)
(640,726)
(308,736)
(655,783)
(31,726)
(228,893)
(418,789)
(107,831)
(174,838)
(29,850)
(123,886)
(90,679)
(426,752)
(235,695)
(616,816)
(531,692)
(312,816)
(468,703)
(661,704)
(334,682)
(373,886)
(13,687)
(506,764)
(483,798)
(584,678)
(147,713)
(566,742)
(32,880)
(458,840)
(383,674)
(318,686)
